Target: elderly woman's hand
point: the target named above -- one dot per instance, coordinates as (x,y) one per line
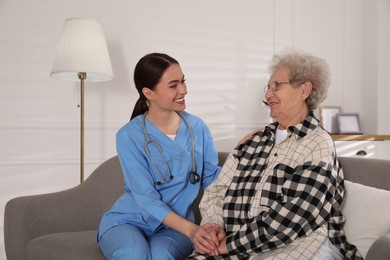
(218,238)
(222,248)
(207,238)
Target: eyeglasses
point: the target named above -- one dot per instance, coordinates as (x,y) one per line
(274,86)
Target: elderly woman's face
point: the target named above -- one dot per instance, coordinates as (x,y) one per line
(287,101)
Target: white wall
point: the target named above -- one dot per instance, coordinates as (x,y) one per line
(223,47)
(383,66)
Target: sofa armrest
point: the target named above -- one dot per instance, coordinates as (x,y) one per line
(380,249)
(28,217)
(76,209)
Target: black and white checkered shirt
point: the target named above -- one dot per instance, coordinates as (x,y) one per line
(268,197)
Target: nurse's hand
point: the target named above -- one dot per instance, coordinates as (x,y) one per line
(216,233)
(206,239)
(218,236)
(249,136)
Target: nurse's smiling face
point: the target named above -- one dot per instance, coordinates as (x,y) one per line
(170,91)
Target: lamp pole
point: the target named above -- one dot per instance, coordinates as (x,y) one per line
(82,76)
(82,50)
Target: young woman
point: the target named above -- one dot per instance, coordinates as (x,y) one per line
(166,155)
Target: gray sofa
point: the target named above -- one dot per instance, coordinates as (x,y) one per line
(63,225)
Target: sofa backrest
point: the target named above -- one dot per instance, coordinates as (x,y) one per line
(107,180)
(105,184)
(369,172)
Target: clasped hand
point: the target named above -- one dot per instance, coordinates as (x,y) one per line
(210,239)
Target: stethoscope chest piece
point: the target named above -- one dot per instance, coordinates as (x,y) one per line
(194,177)
(164,181)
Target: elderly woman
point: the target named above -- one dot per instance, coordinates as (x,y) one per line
(279,193)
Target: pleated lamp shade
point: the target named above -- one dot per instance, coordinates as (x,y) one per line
(82,48)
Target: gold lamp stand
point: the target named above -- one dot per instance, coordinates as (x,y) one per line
(82,76)
(82,47)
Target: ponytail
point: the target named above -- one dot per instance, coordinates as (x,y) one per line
(140,108)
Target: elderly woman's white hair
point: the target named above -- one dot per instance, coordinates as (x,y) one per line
(305,67)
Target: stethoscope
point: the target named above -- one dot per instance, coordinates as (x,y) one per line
(193,176)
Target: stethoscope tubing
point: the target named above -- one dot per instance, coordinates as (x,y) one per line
(147,151)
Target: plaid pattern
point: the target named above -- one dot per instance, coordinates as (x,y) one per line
(272,201)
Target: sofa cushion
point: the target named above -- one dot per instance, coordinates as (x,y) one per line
(367,213)
(63,246)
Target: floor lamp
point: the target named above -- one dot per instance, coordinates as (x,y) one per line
(82,55)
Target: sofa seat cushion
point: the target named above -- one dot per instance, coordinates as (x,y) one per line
(70,245)
(367,213)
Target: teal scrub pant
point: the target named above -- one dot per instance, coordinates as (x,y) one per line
(125,242)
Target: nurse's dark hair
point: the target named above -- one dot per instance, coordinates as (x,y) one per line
(147,73)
